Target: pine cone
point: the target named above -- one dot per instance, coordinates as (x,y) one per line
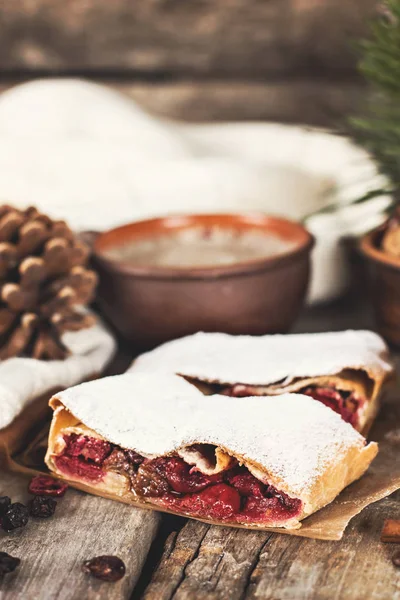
(43,280)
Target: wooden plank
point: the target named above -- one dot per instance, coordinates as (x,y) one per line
(215,563)
(52,551)
(202,561)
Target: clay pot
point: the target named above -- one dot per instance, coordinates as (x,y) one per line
(150,305)
(384,274)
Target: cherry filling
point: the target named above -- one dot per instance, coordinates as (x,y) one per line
(83,457)
(346,404)
(233,495)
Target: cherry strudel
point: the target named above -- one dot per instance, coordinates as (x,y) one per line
(343,370)
(149,441)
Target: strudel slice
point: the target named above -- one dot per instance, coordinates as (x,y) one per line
(150,442)
(343,370)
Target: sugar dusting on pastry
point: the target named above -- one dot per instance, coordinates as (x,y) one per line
(295,439)
(218,357)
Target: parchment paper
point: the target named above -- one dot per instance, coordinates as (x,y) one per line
(329,523)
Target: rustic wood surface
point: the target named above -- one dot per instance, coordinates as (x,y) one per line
(284,60)
(52,551)
(191,560)
(219,38)
(205,562)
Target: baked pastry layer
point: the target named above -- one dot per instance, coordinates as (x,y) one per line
(149,441)
(344,370)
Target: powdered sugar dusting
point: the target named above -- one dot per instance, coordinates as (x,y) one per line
(268,359)
(295,439)
(24,379)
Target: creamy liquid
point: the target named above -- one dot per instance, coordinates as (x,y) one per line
(200,247)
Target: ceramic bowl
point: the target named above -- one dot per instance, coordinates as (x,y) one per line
(150,305)
(384,274)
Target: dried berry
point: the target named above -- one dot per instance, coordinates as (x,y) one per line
(42,485)
(134,457)
(396,558)
(106,568)
(5,502)
(42,507)
(148,481)
(17,515)
(8,563)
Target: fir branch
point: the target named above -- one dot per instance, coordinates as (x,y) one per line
(377,128)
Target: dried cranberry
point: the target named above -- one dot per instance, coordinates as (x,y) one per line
(8,563)
(178,475)
(219,501)
(5,502)
(42,507)
(17,515)
(106,568)
(41,485)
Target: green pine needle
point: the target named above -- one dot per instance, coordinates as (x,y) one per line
(377,129)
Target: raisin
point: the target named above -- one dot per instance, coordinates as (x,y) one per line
(42,485)
(5,502)
(8,563)
(42,507)
(133,457)
(17,515)
(116,460)
(148,482)
(106,568)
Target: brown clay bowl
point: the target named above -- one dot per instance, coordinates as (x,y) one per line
(150,305)
(384,274)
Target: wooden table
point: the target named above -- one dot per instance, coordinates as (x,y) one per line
(191,560)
